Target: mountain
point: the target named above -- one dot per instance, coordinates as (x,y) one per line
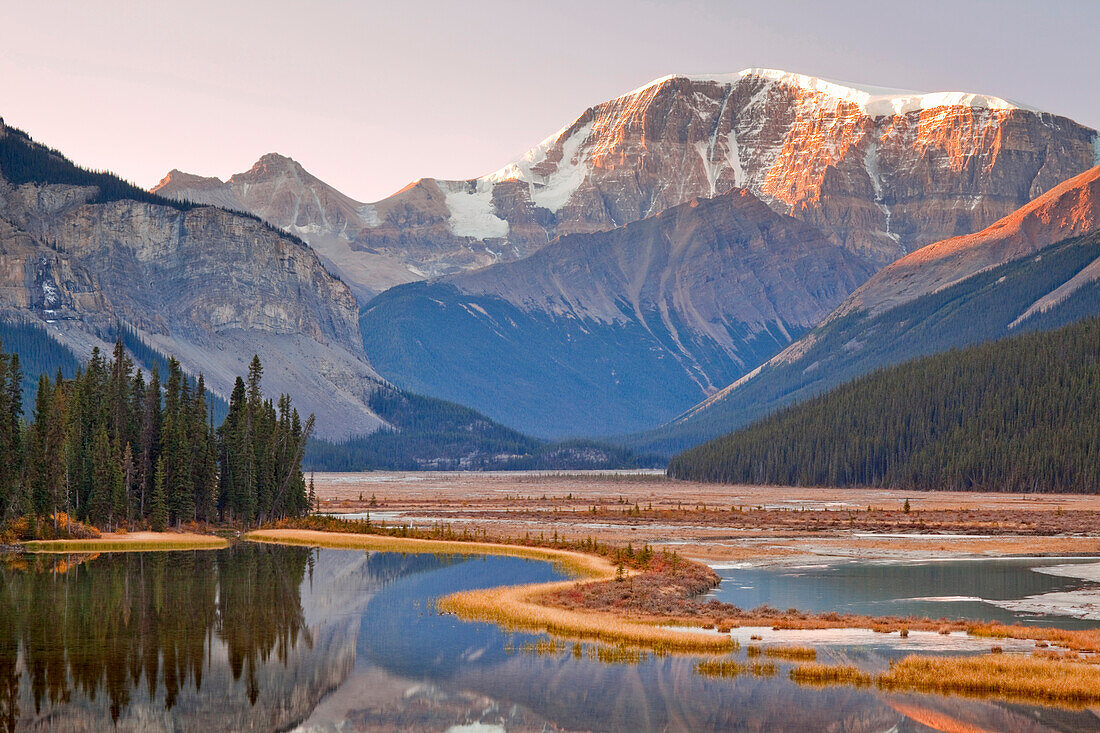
(1018,415)
(1069,209)
(86,258)
(881,172)
(430,434)
(281,192)
(84,254)
(1003,280)
(615,330)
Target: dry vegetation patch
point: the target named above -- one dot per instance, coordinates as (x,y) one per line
(791,653)
(132,542)
(1010,677)
(999,675)
(732,668)
(830,674)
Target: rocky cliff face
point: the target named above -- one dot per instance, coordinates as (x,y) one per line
(280,191)
(203,284)
(609,331)
(1069,209)
(882,172)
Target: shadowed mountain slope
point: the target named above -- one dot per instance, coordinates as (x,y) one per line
(614,330)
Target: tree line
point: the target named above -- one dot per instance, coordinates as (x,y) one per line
(1017,415)
(109,448)
(73,633)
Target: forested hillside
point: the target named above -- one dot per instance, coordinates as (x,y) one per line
(441,435)
(38,354)
(1017,415)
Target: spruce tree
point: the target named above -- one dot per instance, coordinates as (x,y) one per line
(158,502)
(104,471)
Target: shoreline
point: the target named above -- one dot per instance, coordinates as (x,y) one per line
(526,607)
(718,523)
(130,542)
(516,606)
(1046,653)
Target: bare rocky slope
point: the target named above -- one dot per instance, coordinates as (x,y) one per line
(611,331)
(206,285)
(280,191)
(881,172)
(1036,269)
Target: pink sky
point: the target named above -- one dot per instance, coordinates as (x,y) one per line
(369,96)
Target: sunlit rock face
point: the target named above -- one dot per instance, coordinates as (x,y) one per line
(880,171)
(206,285)
(1070,209)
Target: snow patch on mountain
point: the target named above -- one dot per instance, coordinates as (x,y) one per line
(871,100)
(369,215)
(555,190)
(733,157)
(472,211)
(551,191)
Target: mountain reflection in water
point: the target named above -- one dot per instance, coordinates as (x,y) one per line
(272,638)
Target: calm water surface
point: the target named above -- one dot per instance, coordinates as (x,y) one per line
(281,638)
(1004,590)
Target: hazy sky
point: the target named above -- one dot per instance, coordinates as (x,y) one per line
(370,95)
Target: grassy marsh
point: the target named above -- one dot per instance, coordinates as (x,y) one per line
(1006,676)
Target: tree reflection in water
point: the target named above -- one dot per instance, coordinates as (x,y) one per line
(108,625)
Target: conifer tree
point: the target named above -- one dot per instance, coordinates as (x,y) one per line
(158,502)
(104,470)
(109,448)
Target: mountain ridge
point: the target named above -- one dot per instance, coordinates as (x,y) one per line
(84,253)
(879,171)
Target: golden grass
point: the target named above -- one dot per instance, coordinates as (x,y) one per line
(620,654)
(791,653)
(997,675)
(521,607)
(1005,676)
(731,668)
(517,607)
(133,542)
(587,566)
(829,674)
(1082,640)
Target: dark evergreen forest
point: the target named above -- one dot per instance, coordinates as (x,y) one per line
(973,311)
(108,447)
(1018,415)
